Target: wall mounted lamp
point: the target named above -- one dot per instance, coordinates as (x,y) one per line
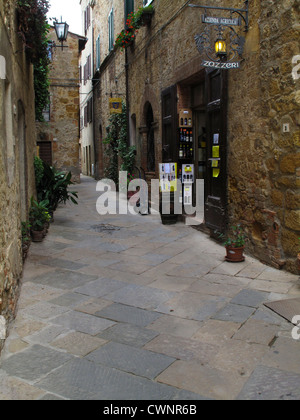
(62,30)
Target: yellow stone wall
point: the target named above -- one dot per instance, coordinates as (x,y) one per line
(17,149)
(63,128)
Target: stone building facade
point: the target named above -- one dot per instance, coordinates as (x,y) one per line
(17,149)
(58,137)
(109,71)
(252,112)
(87,148)
(258,119)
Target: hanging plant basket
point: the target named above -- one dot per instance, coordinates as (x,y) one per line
(146,18)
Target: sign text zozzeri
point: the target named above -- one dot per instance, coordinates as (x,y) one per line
(221,20)
(220,65)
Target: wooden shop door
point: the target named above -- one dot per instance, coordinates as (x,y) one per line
(215,208)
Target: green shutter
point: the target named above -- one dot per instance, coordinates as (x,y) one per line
(129,8)
(111,30)
(98,60)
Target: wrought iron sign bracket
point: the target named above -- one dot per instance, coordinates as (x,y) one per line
(220,43)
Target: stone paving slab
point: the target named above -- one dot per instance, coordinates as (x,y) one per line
(100,287)
(140,296)
(129,314)
(204,380)
(129,334)
(81,322)
(34,362)
(140,362)
(234,313)
(267,383)
(81,379)
(252,298)
(63,279)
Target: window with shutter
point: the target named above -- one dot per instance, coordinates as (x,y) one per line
(98,57)
(129,8)
(89,66)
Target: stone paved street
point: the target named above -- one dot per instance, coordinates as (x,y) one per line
(124,308)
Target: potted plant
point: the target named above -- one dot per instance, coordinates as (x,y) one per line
(125,39)
(38,217)
(26,239)
(53,186)
(235,244)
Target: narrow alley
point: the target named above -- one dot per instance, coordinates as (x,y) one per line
(121,307)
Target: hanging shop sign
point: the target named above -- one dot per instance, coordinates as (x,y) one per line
(115,105)
(220,65)
(221,21)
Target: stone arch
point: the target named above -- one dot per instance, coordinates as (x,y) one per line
(149,131)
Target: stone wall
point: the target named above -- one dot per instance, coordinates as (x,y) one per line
(17,149)
(63,128)
(263,159)
(110,80)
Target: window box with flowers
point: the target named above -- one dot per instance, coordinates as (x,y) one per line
(145,15)
(133,23)
(125,39)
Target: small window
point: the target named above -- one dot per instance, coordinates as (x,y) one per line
(46,112)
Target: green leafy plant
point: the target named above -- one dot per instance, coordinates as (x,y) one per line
(25,231)
(38,169)
(38,214)
(236,237)
(53,187)
(117,146)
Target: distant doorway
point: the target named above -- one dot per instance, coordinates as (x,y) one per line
(45,151)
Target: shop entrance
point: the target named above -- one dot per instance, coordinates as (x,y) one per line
(197,142)
(204,99)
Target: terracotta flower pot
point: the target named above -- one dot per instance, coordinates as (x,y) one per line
(37,236)
(235,254)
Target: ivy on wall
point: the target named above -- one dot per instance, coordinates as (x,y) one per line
(33,28)
(117,146)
